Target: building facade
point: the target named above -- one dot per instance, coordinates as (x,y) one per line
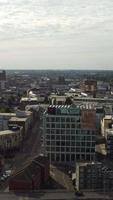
(93,176)
(67,137)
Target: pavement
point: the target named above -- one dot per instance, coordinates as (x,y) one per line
(53,195)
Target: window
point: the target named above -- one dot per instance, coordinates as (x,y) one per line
(57,131)
(72,149)
(57,143)
(48,125)
(48,131)
(53,143)
(53,157)
(62,125)
(57,125)
(57,119)
(73,157)
(82,149)
(67,125)
(48,137)
(72,143)
(53,125)
(67,143)
(62,119)
(72,125)
(62,157)
(62,137)
(67,157)
(52,119)
(52,148)
(72,137)
(72,119)
(57,148)
(57,137)
(57,157)
(67,137)
(62,131)
(48,142)
(63,143)
(53,131)
(52,137)
(62,149)
(67,149)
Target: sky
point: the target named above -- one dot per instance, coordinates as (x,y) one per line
(56,34)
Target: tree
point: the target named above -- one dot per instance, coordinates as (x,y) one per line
(68,101)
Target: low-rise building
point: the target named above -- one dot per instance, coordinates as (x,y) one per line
(32,176)
(10,139)
(93,177)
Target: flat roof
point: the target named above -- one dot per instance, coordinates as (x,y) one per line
(18,119)
(7,132)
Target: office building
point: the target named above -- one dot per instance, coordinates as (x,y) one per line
(94,177)
(69,135)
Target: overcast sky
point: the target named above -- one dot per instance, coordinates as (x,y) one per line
(56,34)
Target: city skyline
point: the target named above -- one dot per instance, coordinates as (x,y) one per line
(62,34)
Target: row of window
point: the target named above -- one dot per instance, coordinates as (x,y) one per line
(65,131)
(70,137)
(63,119)
(57,125)
(70,149)
(69,157)
(70,143)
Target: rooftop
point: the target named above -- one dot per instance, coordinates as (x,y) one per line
(7,132)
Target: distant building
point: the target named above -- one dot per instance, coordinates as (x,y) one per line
(2,80)
(68,134)
(107,132)
(93,177)
(10,139)
(89,86)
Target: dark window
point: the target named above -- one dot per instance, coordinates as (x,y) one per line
(78,156)
(72,143)
(82,149)
(67,125)
(67,119)
(57,148)
(52,137)
(57,157)
(62,137)
(53,125)
(63,125)
(48,125)
(62,157)
(62,119)
(62,149)
(72,137)
(67,137)
(52,148)
(62,131)
(48,142)
(57,131)
(57,125)
(67,143)
(72,149)
(48,136)
(53,143)
(63,143)
(57,119)
(67,157)
(57,143)
(87,157)
(73,157)
(52,157)
(72,125)
(57,137)
(67,149)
